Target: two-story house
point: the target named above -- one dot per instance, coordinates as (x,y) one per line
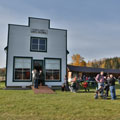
(35,45)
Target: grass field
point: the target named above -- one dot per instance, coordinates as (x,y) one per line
(25,105)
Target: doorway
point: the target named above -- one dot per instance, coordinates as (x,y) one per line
(38,65)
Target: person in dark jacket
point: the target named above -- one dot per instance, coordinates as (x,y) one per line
(112,87)
(106,86)
(41,80)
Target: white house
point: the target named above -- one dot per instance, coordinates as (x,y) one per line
(35,45)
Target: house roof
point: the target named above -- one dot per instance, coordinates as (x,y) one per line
(91,69)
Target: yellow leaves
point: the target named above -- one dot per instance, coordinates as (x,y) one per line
(78,60)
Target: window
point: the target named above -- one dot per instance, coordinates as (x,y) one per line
(39,44)
(22,69)
(52,69)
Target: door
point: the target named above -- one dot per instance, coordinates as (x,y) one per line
(38,65)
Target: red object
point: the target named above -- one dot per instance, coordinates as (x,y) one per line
(85,84)
(86,78)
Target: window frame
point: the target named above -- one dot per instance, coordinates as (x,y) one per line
(59,70)
(14,80)
(32,50)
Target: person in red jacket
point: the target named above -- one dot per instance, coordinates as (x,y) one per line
(85,85)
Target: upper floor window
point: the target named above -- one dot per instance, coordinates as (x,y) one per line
(38,44)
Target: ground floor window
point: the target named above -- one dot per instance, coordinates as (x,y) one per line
(22,69)
(52,69)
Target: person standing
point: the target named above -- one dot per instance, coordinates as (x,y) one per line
(41,81)
(35,78)
(66,83)
(112,87)
(73,84)
(106,87)
(100,80)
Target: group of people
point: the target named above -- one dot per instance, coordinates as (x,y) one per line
(38,78)
(105,83)
(73,84)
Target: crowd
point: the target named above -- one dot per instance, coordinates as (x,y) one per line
(73,83)
(105,83)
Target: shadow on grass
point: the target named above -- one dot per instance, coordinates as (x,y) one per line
(85,91)
(109,98)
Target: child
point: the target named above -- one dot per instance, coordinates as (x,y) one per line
(85,85)
(101,89)
(63,87)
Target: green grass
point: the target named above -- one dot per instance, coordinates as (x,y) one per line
(25,105)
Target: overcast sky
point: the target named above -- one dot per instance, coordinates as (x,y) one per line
(93,25)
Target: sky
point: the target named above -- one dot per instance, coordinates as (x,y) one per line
(93,25)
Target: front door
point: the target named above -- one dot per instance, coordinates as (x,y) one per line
(38,65)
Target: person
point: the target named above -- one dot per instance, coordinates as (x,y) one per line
(35,76)
(100,81)
(41,80)
(73,84)
(106,86)
(69,80)
(99,90)
(84,77)
(63,87)
(66,83)
(85,86)
(112,87)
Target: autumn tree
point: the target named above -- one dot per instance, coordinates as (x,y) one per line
(108,63)
(78,60)
(83,63)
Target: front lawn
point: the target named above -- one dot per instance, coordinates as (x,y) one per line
(25,105)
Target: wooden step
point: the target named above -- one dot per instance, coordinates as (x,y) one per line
(43,90)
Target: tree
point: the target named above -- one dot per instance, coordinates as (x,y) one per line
(116,63)
(83,63)
(78,60)
(89,64)
(108,64)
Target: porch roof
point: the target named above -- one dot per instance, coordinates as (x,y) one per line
(91,69)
